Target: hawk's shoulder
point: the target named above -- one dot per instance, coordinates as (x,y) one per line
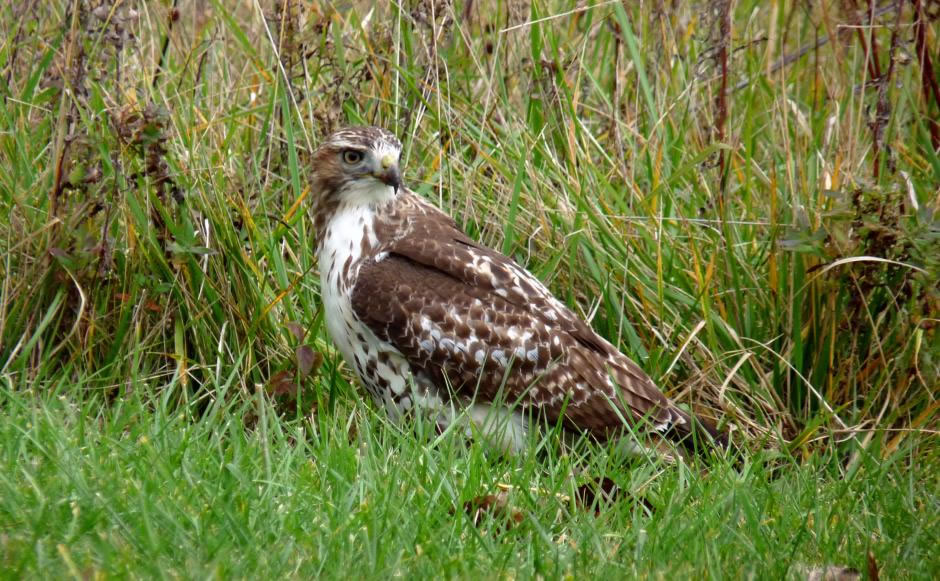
(432,238)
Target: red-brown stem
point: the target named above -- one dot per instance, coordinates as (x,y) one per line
(883,109)
(928,81)
(721,101)
(871,54)
(876,68)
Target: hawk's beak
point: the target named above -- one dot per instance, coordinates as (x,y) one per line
(389,174)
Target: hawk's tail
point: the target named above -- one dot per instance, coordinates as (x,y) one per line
(695,434)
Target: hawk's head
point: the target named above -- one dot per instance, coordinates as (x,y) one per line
(356,165)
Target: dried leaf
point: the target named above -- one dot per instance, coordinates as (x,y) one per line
(307,360)
(497,505)
(601,492)
(296,329)
(282,383)
(604,490)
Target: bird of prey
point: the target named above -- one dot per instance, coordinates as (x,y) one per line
(435,323)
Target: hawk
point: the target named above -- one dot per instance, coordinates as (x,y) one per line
(433,322)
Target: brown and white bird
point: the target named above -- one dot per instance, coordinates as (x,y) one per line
(435,323)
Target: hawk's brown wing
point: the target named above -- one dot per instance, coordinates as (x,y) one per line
(466,316)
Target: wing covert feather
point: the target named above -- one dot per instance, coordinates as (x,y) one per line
(487,345)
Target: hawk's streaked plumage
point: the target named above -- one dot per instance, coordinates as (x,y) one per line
(433,321)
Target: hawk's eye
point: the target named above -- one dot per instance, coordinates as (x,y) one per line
(351,156)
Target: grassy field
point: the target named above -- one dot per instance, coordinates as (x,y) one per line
(743,196)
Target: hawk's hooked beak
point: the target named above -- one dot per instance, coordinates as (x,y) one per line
(388,173)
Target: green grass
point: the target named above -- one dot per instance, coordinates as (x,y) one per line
(158,491)
(159,295)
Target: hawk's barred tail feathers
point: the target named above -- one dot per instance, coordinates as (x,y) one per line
(695,434)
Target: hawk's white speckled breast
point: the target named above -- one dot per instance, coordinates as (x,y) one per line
(350,241)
